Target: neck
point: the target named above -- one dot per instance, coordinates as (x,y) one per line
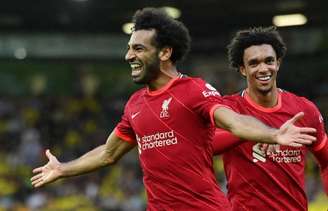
(268,99)
(165,75)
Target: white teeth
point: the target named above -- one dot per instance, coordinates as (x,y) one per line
(134,66)
(264,78)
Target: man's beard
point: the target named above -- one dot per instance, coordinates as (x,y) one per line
(151,72)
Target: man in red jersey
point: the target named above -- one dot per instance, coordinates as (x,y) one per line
(171,121)
(261,176)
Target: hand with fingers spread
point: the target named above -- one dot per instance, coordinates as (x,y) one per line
(47,173)
(291,135)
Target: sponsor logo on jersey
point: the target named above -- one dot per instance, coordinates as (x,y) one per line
(320,118)
(211,91)
(258,153)
(165,108)
(156,140)
(262,152)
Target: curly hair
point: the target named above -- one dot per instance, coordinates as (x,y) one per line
(254,36)
(169,32)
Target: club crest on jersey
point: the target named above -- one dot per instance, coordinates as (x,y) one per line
(165,108)
(211,91)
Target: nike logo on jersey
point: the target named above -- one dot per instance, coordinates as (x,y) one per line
(134,115)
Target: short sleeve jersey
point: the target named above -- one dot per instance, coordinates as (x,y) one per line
(173,129)
(270,178)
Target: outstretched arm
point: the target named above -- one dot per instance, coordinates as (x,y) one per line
(99,157)
(249,128)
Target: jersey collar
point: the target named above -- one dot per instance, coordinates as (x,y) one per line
(261,108)
(164,88)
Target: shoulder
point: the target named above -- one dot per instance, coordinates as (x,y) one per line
(136,96)
(195,92)
(299,101)
(195,85)
(191,81)
(236,98)
(302,104)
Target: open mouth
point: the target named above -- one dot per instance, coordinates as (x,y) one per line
(264,78)
(136,69)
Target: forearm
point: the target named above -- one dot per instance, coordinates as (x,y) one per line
(252,129)
(245,127)
(99,157)
(90,161)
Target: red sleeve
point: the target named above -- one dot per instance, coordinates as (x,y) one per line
(315,119)
(223,141)
(322,158)
(122,136)
(320,148)
(124,130)
(204,99)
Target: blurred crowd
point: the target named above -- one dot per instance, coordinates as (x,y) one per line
(71,126)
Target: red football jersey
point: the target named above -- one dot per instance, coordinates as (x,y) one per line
(173,128)
(270,177)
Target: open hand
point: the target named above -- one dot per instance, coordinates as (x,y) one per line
(47,173)
(291,135)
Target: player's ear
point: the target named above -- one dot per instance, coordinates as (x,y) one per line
(242,70)
(165,53)
(278,63)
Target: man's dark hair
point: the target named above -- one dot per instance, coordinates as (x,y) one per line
(254,36)
(169,32)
